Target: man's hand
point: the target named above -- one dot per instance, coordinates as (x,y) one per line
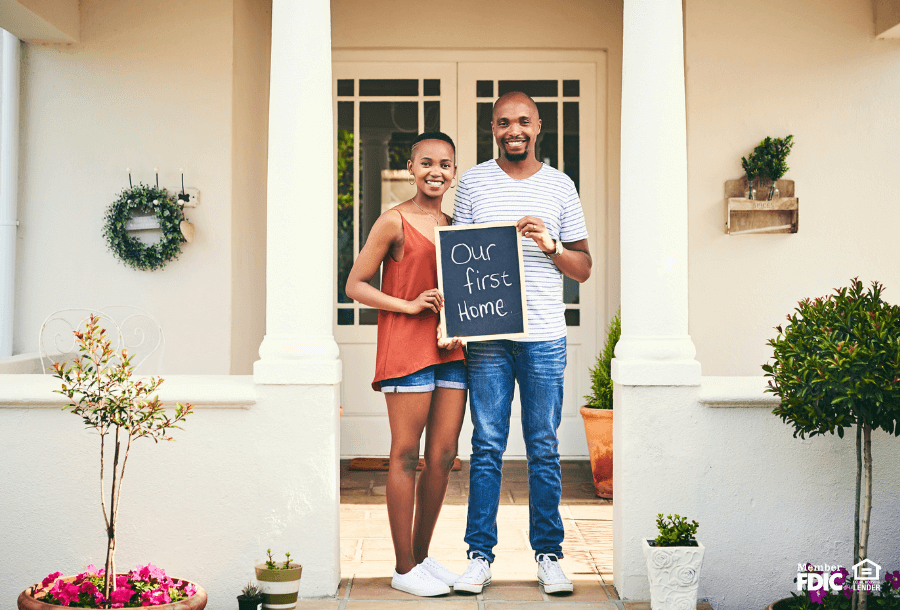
(448,344)
(534,228)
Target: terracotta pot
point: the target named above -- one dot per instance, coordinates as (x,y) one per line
(598,430)
(279,587)
(27,602)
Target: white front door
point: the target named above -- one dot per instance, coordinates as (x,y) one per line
(380,107)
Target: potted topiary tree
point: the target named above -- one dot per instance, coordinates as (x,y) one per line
(598,413)
(674,560)
(837,365)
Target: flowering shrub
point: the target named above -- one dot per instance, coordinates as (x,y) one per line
(144,586)
(821,599)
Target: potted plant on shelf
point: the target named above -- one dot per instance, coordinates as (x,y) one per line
(598,413)
(673,559)
(279,581)
(837,365)
(121,410)
(768,160)
(251,598)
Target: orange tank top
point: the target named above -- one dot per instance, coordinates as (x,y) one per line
(408,343)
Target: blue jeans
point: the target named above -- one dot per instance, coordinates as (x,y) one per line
(493,369)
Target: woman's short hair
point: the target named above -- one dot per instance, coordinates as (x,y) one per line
(432,135)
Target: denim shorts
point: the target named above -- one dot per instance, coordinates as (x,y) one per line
(443,375)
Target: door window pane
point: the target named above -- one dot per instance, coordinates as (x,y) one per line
(368,317)
(571,142)
(484,88)
(571,88)
(387,130)
(570,291)
(573,317)
(345,86)
(484,138)
(534,88)
(546,145)
(432,86)
(397,86)
(345,317)
(344,199)
(432,117)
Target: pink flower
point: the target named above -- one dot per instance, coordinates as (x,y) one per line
(848,592)
(88,587)
(68,593)
(122,580)
(50,578)
(817,596)
(893,578)
(190,589)
(92,570)
(121,595)
(840,580)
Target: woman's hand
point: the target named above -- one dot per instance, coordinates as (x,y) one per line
(448,344)
(430,299)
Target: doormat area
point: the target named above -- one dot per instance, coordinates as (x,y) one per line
(382,464)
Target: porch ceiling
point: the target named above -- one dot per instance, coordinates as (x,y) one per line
(35,21)
(887,18)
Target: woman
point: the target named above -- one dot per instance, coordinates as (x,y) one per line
(423,376)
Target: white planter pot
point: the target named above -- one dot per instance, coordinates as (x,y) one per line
(674,573)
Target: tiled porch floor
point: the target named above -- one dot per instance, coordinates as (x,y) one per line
(367,556)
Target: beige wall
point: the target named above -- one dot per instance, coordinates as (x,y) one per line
(149,85)
(813,69)
(250,128)
(512,24)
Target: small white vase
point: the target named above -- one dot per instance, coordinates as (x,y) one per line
(674,573)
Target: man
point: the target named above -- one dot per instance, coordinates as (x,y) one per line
(545,206)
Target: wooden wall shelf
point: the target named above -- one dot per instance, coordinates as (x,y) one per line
(752,216)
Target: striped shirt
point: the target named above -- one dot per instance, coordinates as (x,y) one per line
(486,193)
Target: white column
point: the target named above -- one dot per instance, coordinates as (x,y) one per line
(299,346)
(9,182)
(655,348)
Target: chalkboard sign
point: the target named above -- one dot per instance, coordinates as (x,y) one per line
(481,273)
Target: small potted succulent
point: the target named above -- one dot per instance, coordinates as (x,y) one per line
(251,597)
(279,582)
(121,410)
(673,559)
(598,413)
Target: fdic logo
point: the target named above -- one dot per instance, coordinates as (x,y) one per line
(866,575)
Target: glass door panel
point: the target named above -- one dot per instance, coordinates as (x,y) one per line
(380,108)
(565,94)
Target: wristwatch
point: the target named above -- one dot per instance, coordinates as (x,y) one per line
(557,251)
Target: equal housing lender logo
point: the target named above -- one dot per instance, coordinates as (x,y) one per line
(866,577)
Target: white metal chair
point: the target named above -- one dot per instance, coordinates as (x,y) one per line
(127,327)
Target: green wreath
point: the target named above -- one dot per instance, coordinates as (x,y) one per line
(129,249)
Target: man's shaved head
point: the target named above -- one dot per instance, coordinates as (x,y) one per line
(519,97)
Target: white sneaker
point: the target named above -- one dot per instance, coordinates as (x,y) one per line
(434,568)
(551,576)
(476,576)
(419,582)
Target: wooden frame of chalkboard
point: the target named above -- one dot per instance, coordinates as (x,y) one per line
(485,316)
